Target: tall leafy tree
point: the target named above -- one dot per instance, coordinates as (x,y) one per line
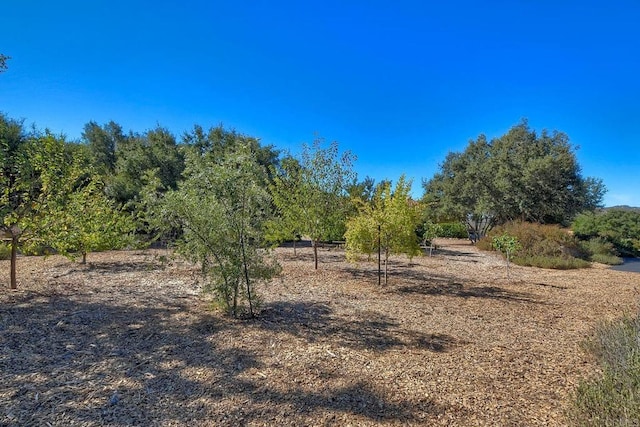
(103,142)
(284,188)
(315,201)
(520,176)
(222,206)
(82,219)
(385,225)
(34,169)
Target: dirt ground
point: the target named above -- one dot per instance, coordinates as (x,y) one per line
(131,340)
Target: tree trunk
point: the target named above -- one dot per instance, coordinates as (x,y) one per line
(294,247)
(84,257)
(379,257)
(246,275)
(386,265)
(315,253)
(14,259)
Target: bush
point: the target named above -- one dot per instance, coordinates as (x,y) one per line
(556,263)
(5,251)
(612,398)
(600,250)
(544,246)
(619,227)
(453,230)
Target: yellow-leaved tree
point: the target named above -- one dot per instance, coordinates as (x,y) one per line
(386,225)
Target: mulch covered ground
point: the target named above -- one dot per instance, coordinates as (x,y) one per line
(131,340)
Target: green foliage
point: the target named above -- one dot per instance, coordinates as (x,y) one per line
(222,206)
(5,251)
(521,175)
(453,230)
(619,227)
(612,397)
(387,223)
(88,222)
(507,245)
(137,155)
(600,250)
(102,143)
(431,231)
(544,246)
(310,194)
(32,170)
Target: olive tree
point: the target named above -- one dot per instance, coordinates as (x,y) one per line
(221,207)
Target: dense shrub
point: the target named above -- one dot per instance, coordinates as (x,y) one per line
(612,398)
(544,246)
(600,250)
(5,251)
(619,227)
(453,230)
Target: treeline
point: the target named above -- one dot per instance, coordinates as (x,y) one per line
(222,198)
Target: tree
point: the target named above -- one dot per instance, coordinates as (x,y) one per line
(519,176)
(507,245)
(103,143)
(315,202)
(83,219)
(619,227)
(285,192)
(387,224)
(139,156)
(33,169)
(3,62)
(221,206)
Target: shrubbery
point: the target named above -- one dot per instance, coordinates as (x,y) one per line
(600,250)
(544,246)
(621,228)
(5,251)
(453,230)
(612,398)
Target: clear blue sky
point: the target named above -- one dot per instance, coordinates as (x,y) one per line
(399,83)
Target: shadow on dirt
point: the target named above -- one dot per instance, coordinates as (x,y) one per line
(69,361)
(370,330)
(462,291)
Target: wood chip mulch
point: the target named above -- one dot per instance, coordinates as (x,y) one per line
(130,339)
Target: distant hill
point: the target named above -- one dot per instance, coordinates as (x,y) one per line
(622,208)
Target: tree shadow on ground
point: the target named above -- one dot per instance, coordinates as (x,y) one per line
(453,289)
(368,330)
(72,361)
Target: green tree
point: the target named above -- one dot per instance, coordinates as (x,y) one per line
(284,188)
(387,224)
(103,143)
(222,206)
(34,168)
(314,203)
(507,245)
(617,226)
(519,176)
(83,219)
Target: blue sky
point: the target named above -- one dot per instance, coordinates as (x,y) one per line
(399,83)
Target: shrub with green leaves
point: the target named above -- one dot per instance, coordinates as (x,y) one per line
(619,227)
(600,250)
(544,246)
(5,251)
(453,230)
